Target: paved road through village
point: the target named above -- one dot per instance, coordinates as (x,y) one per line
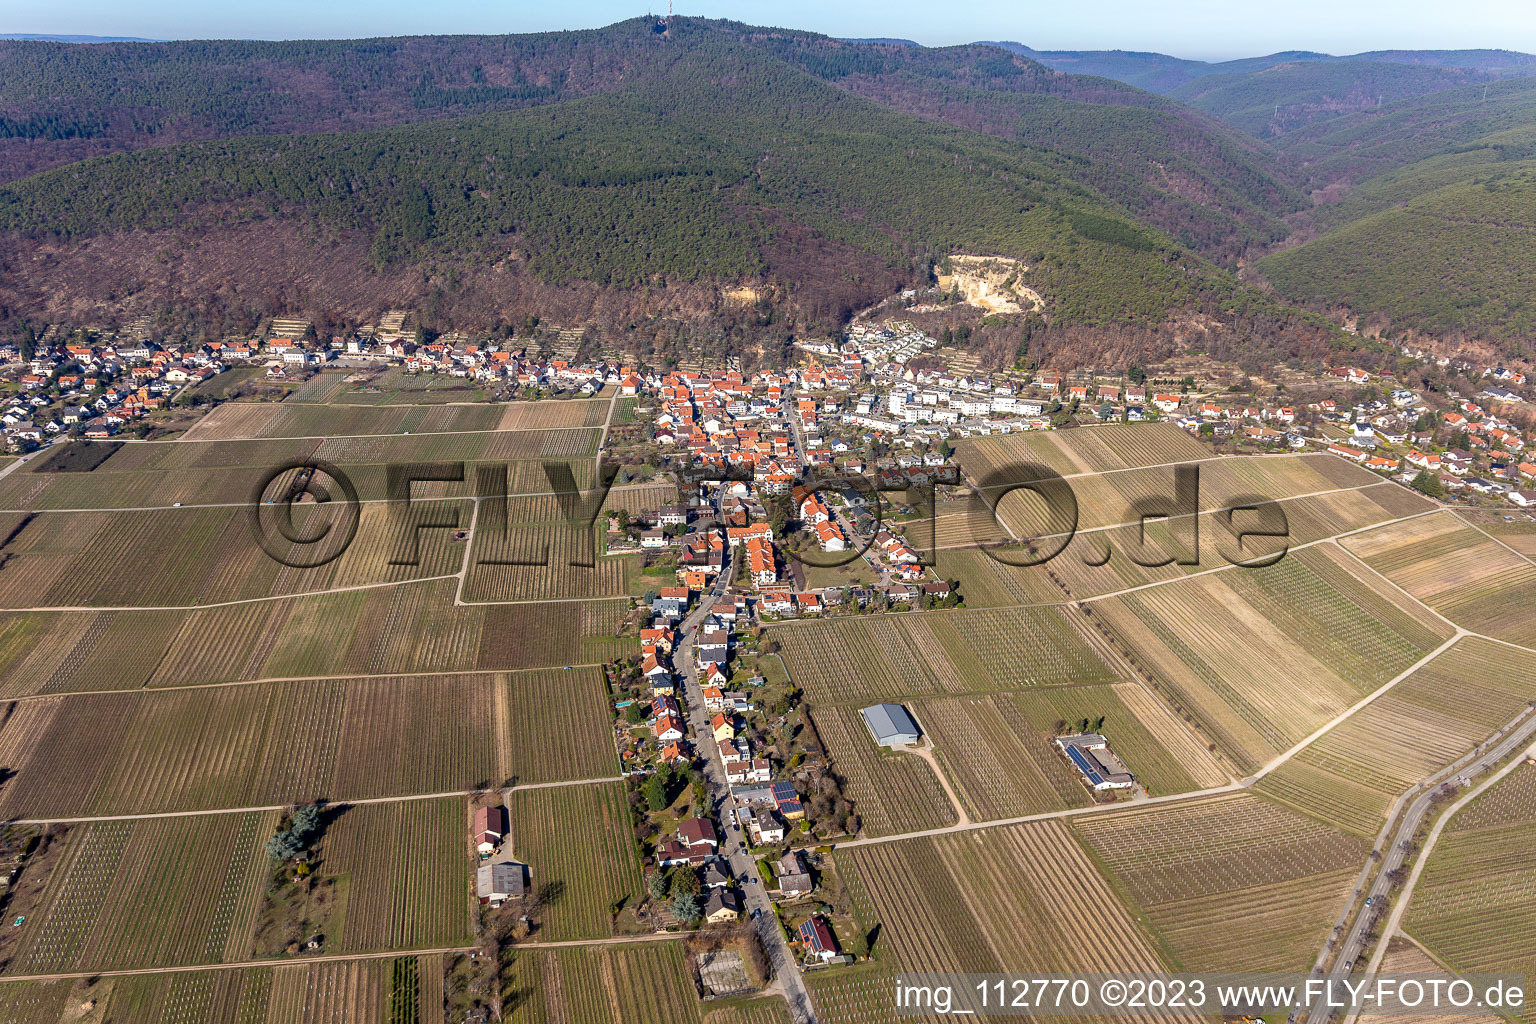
(732,842)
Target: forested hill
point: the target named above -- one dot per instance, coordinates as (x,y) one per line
(1171,165)
(1444,240)
(713,165)
(1281,99)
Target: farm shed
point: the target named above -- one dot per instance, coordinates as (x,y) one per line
(890,724)
(1090,753)
(500,881)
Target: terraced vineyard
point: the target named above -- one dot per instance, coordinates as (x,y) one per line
(578,839)
(1230,883)
(892,792)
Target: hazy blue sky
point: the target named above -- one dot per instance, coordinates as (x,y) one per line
(1190,28)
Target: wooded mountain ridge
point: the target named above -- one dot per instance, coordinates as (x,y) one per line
(631,175)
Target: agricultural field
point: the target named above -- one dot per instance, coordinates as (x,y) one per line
(236,420)
(999,764)
(988,901)
(1473,904)
(644,983)
(1403,958)
(1162,751)
(1464,574)
(191,556)
(858,660)
(1350,775)
(321,388)
(554,559)
(148,893)
(270,744)
(404,629)
(1107,498)
(996,750)
(1519,533)
(405,874)
(1325,637)
(351,418)
(394,386)
(35,1002)
(892,792)
(855,995)
(1320,496)
(577,843)
(344,992)
(1231,883)
(1079,452)
(146,474)
(203,997)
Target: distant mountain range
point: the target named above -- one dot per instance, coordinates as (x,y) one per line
(46,38)
(1160,73)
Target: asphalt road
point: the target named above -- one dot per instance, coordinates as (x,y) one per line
(733,843)
(1393,855)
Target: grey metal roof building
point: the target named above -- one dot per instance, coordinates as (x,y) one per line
(890,724)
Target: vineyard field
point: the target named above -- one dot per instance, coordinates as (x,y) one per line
(148,893)
(1076,452)
(344,992)
(549,561)
(891,792)
(1325,638)
(1350,775)
(183,997)
(299,741)
(235,420)
(989,901)
(1483,867)
(401,629)
(406,871)
(579,839)
(1231,883)
(157,474)
(645,983)
(210,555)
(1465,575)
(999,765)
(967,651)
